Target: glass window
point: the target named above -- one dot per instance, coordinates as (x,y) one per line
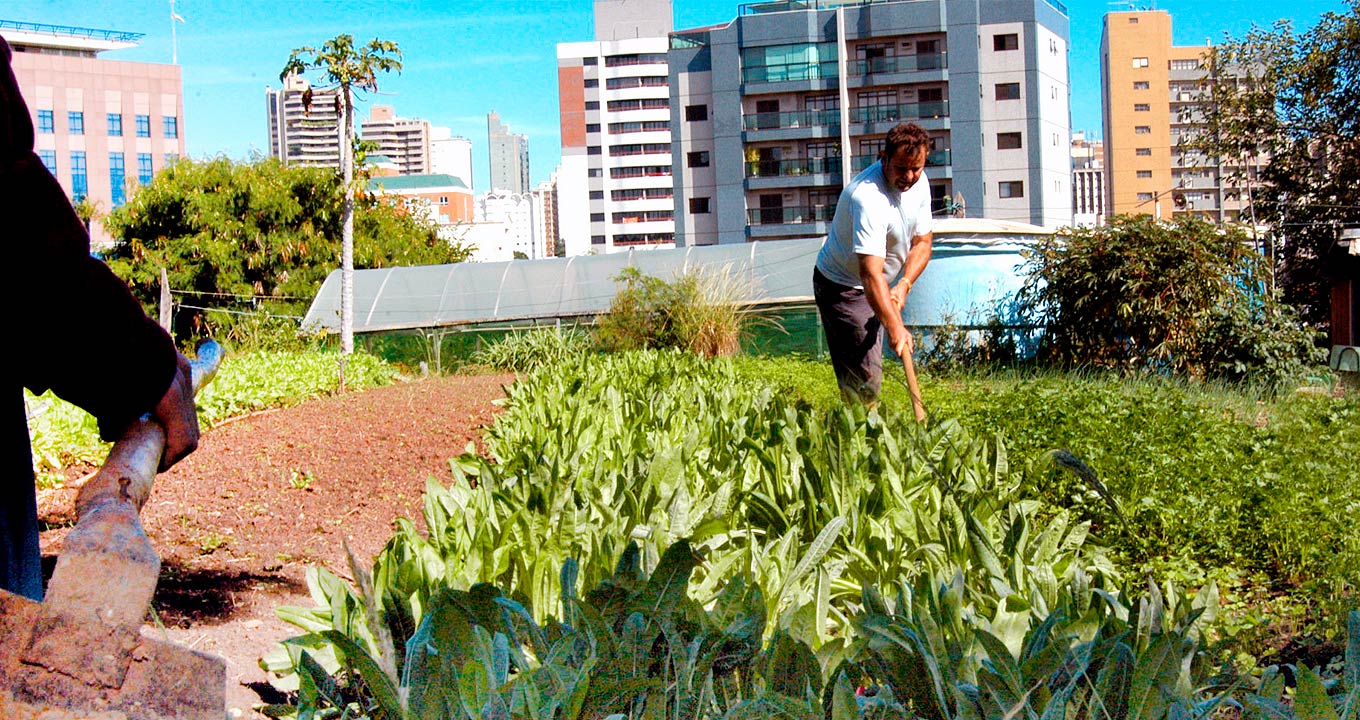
(698,206)
(171,124)
(592,83)
(1011,189)
(590,61)
(1008,141)
(115,124)
(1141,85)
(694,113)
(1008,91)
(592,105)
(75,122)
(143,126)
(592,127)
(1009,41)
(49,160)
(144,168)
(797,61)
(118,178)
(597,217)
(1184,64)
(596,194)
(1144,196)
(1140,62)
(80,182)
(1143,152)
(698,158)
(1144,173)
(1141,107)
(1142,130)
(45,122)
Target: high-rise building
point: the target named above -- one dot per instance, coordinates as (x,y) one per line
(509,156)
(775,111)
(450,154)
(102,126)
(545,216)
(1088,180)
(304,124)
(405,141)
(615,187)
(1153,105)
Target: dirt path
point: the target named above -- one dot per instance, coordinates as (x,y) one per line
(239,521)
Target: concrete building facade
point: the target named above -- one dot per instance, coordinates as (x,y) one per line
(441,199)
(509,156)
(405,141)
(615,187)
(304,123)
(1088,181)
(450,154)
(773,112)
(1153,104)
(102,127)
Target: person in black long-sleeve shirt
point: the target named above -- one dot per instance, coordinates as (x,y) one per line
(79,332)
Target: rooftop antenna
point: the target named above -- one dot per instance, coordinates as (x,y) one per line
(174,38)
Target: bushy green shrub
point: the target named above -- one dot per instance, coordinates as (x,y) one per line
(528,350)
(698,311)
(1183,296)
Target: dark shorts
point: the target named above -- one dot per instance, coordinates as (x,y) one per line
(854,337)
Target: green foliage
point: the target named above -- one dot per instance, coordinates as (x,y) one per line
(532,349)
(699,312)
(260,230)
(1183,296)
(63,434)
(1291,108)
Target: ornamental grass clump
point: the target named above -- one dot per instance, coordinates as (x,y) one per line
(702,311)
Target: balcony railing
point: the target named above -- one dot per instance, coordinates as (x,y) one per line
(790,215)
(935,158)
(895,113)
(900,64)
(795,119)
(797,166)
(791,71)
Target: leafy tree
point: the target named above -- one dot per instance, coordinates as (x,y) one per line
(1293,99)
(255,229)
(1181,296)
(350,69)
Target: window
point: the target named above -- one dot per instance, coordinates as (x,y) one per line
(1011,189)
(171,124)
(80,182)
(1144,196)
(597,217)
(592,105)
(143,168)
(695,113)
(117,178)
(590,61)
(1141,107)
(1008,141)
(1009,41)
(595,172)
(115,125)
(1143,152)
(1142,130)
(75,121)
(596,194)
(1140,62)
(45,123)
(698,158)
(1133,20)
(443,199)
(592,127)
(1144,173)
(592,83)
(698,206)
(1184,64)
(643,104)
(596,239)
(49,160)
(1141,85)
(143,126)
(593,150)
(627,83)
(1008,91)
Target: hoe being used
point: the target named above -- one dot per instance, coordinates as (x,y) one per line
(81,654)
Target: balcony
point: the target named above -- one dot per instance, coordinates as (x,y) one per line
(797,119)
(898,113)
(825,70)
(935,158)
(796,166)
(793,215)
(899,64)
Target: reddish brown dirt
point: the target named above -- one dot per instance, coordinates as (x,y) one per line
(238,522)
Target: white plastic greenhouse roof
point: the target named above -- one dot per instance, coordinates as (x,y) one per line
(776,272)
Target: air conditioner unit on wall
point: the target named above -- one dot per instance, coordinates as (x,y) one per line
(1345,358)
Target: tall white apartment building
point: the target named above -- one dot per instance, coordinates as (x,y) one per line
(509,156)
(522,234)
(615,186)
(304,124)
(775,111)
(450,154)
(405,141)
(102,127)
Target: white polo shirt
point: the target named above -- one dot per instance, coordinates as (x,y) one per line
(873,218)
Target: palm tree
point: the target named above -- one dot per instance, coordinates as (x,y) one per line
(349,69)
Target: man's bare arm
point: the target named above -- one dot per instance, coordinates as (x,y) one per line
(880,299)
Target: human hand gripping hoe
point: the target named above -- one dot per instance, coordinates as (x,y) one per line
(80,654)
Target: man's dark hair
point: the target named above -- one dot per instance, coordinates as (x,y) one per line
(908,135)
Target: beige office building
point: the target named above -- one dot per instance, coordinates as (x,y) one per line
(405,141)
(304,123)
(102,126)
(1152,94)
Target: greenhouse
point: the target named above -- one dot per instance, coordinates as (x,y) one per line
(438,312)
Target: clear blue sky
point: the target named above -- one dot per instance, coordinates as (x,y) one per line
(464,58)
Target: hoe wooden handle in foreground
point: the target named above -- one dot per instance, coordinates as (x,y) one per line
(916,405)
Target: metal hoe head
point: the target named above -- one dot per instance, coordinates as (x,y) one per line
(81,654)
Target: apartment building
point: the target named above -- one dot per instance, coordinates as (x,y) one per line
(509,156)
(404,141)
(545,216)
(614,184)
(1153,95)
(1088,180)
(304,123)
(775,111)
(102,126)
(450,154)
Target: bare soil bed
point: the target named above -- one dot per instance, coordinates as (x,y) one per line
(264,497)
